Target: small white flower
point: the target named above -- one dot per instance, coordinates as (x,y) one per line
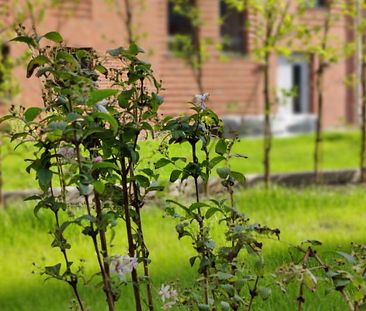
(164,292)
(67,152)
(100,106)
(200,101)
(168,295)
(169,305)
(122,265)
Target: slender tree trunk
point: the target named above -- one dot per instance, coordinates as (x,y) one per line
(363,115)
(319,124)
(267,143)
(128,22)
(1,174)
(320,99)
(197,48)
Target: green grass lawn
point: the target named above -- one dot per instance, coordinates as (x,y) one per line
(335,216)
(340,150)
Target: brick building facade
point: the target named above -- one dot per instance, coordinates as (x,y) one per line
(234,84)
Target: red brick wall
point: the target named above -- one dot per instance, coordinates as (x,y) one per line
(235,85)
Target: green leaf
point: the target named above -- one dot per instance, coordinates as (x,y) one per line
(192,260)
(44,176)
(155,188)
(211,211)
(98,95)
(134,49)
(7,117)
(143,181)
(54,36)
(215,161)
(105,165)
(99,186)
(31,113)
(197,205)
(229,289)
(203,307)
(221,147)
(124,98)
(264,292)
(33,198)
(312,242)
(180,205)
(53,270)
(239,177)
(83,189)
(40,60)
(348,257)
(25,39)
(259,267)
(225,306)
(108,118)
(103,70)
(175,175)
(223,172)
(222,276)
(115,52)
(310,280)
(162,162)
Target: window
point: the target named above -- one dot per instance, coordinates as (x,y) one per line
(232,29)
(179,24)
(75,8)
(5,74)
(316,3)
(4,7)
(4,51)
(320,3)
(182,34)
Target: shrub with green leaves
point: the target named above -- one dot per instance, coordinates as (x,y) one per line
(87,137)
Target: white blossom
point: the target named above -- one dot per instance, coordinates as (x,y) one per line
(122,265)
(100,106)
(67,152)
(164,292)
(168,295)
(200,100)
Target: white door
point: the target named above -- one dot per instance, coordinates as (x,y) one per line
(292,85)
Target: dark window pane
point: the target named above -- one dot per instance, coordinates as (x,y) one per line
(320,3)
(297,83)
(178,23)
(5,51)
(232,29)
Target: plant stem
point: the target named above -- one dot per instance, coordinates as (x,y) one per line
(104,246)
(131,244)
(300,299)
(73,281)
(107,288)
(145,251)
(267,139)
(201,225)
(253,293)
